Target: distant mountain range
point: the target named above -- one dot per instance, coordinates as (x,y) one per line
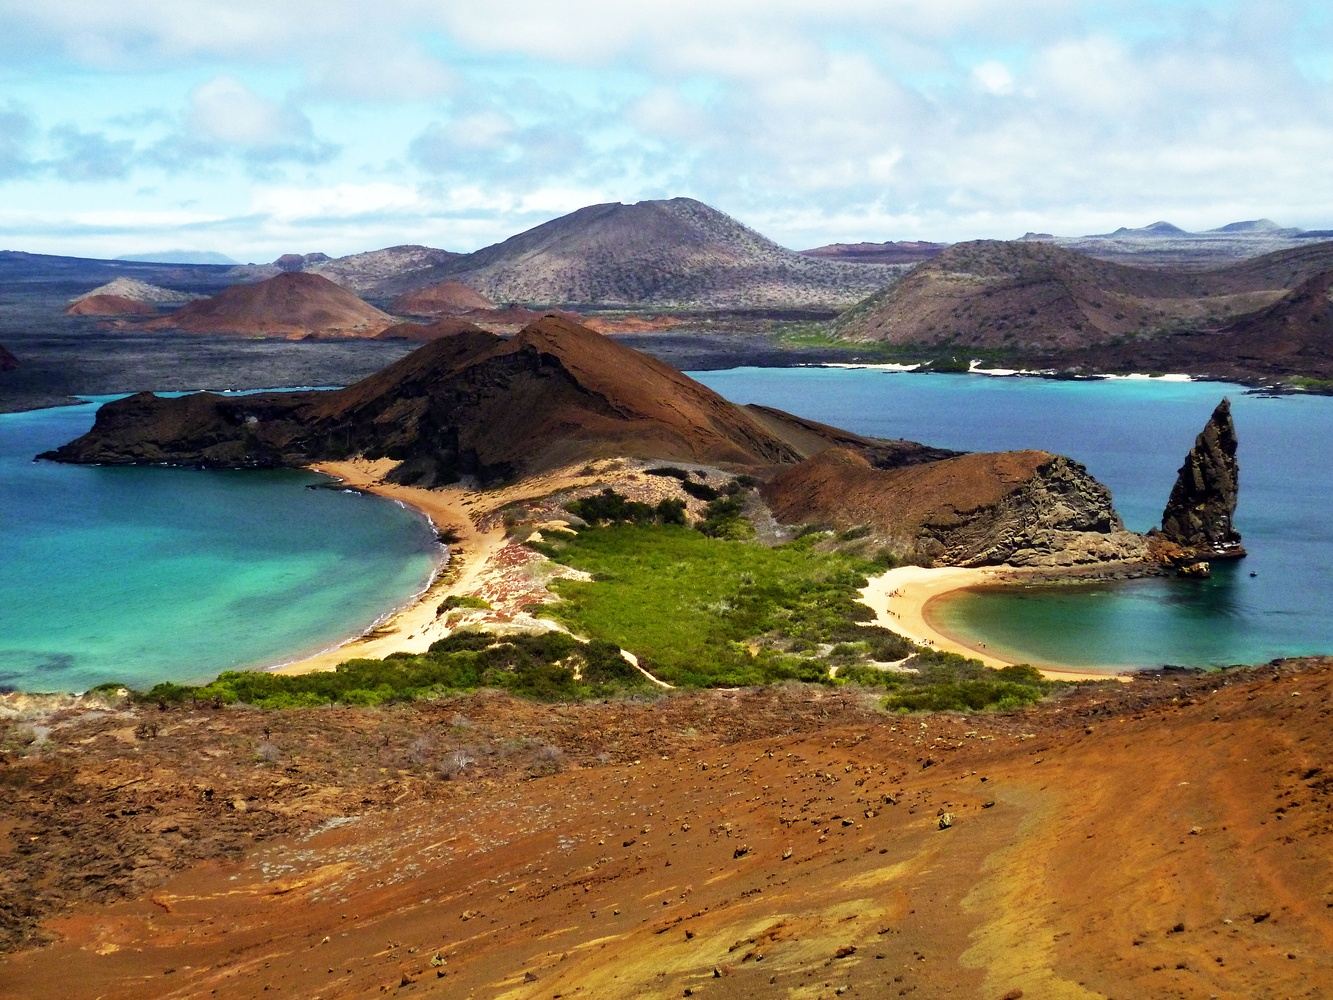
(1163,243)
(179,257)
(892,252)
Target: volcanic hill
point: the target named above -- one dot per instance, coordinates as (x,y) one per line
(891,252)
(678,253)
(444,298)
(363,273)
(470,404)
(1035,299)
(126,297)
(8,362)
(293,305)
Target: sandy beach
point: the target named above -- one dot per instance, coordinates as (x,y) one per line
(414,627)
(900,596)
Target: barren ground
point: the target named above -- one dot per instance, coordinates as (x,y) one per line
(1166,838)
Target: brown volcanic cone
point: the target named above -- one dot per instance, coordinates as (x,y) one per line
(292,305)
(446,298)
(109,305)
(468,404)
(426,332)
(7,361)
(1007,507)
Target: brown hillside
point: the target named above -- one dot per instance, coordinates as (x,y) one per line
(293,306)
(1172,837)
(976,509)
(992,294)
(1293,335)
(425,332)
(469,404)
(109,305)
(444,298)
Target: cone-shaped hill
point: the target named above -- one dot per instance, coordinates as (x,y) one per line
(471,404)
(444,298)
(294,306)
(475,405)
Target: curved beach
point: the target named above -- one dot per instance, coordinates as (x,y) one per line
(415,626)
(900,598)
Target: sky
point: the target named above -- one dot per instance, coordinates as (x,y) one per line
(258,127)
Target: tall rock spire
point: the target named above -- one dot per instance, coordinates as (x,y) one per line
(1198,517)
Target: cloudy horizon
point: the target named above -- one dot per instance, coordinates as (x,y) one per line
(259,128)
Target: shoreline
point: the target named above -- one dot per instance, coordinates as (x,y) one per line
(414,626)
(901,597)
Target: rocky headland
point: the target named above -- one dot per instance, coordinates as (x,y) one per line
(473,406)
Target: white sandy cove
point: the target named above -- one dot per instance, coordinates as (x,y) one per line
(899,598)
(412,628)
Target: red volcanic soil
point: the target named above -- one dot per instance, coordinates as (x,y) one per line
(109,305)
(446,298)
(1172,837)
(294,306)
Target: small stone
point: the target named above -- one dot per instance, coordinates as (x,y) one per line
(946,821)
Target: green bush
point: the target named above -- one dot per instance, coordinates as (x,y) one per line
(535,666)
(610,507)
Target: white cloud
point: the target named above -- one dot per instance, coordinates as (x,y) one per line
(339,201)
(226,111)
(994,78)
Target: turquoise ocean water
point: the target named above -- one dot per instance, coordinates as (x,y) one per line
(1132,435)
(147,574)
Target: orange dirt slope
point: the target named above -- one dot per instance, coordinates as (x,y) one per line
(1169,838)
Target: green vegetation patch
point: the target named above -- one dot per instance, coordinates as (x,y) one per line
(610,507)
(713,611)
(947,682)
(551,667)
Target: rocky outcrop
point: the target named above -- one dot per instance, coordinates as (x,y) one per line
(1198,516)
(1024,508)
(7,361)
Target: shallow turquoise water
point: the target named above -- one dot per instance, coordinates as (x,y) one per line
(147,574)
(1132,436)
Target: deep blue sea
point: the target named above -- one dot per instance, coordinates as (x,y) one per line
(146,574)
(1133,436)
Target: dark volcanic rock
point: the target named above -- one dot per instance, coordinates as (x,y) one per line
(7,361)
(1198,516)
(1022,508)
